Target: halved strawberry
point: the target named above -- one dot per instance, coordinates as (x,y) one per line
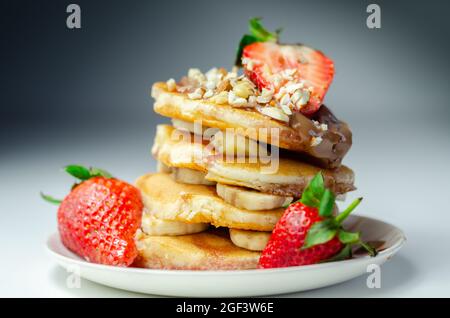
(267,60)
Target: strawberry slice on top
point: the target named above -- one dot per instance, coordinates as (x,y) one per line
(298,70)
(272,65)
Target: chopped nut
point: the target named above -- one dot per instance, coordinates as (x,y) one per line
(286,109)
(275,113)
(208,93)
(243,89)
(296,96)
(171,85)
(221,98)
(315,141)
(304,99)
(235,100)
(248,63)
(196,74)
(252,101)
(224,85)
(292,87)
(197,94)
(265,97)
(285,100)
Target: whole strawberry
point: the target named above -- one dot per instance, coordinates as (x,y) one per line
(99,217)
(309,233)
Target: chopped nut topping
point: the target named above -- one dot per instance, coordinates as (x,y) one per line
(236,100)
(286,109)
(171,85)
(305,95)
(221,98)
(222,87)
(315,141)
(197,94)
(275,113)
(265,97)
(209,93)
(243,89)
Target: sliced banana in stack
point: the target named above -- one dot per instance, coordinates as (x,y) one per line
(190,176)
(250,240)
(195,128)
(255,201)
(251,199)
(153,226)
(265,208)
(234,145)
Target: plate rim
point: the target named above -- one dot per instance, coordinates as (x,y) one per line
(81,262)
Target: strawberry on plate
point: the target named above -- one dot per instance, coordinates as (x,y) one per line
(98,219)
(309,233)
(271,65)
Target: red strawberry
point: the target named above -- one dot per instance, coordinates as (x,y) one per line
(289,235)
(99,217)
(312,67)
(308,233)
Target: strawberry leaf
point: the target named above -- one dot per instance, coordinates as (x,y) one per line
(245,40)
(50,199)
(326,204)
(370,250)
(344,254)
(257,34)
(320,232)
(78,172)
(348,237)
(344,214)
(97,172)
(312,195)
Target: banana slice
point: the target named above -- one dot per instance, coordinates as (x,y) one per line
(190,176)
(160,167)
(250,199)
(237,145)
(250,240)
(195,128)
(152,226)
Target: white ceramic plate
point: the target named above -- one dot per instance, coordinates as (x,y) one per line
(238,283)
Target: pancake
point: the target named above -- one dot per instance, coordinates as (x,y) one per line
(175,148)
(295,136)
(211,250)
(289,179)
(168,200)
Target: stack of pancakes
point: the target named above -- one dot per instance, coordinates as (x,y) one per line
(218,193)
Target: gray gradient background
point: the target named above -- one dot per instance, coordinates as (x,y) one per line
(83,96)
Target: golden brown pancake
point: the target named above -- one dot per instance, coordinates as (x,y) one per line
(168,200)
(172,150)
(290,179)
(249,122)
(211,250)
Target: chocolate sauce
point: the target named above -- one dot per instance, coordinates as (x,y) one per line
(336,140)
